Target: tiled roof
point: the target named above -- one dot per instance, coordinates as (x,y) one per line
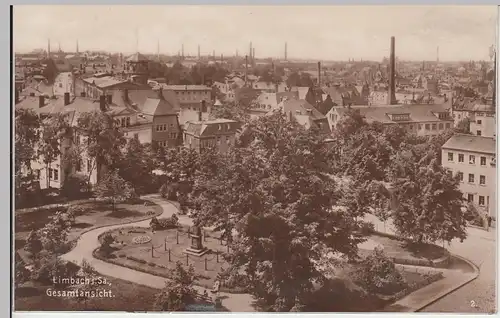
(106,81)
(138,97)
(471,143)
(186,87)
(418,113)
(302,91)
(77,105)
(301,107)
(212,127)
(158,107)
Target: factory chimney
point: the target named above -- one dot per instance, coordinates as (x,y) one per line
(286,52)
(391,96)
(319,74)
(246,69)
(199,56)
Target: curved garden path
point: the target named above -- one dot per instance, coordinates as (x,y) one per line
(88,242)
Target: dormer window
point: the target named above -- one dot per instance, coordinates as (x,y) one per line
(220,127)
(400,117)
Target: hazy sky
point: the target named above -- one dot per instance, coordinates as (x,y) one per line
(315,32)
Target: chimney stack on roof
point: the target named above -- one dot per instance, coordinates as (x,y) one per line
(391,96)
(102,103)
(199,116)
(41,101)
(109,99)
(66,99)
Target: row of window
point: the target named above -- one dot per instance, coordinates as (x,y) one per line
(163,127)
(192,92)
(441,126)
(472,158)
(482,179)
(123,122)
(470,198)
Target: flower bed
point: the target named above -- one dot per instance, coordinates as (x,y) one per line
(141,265)
(142,239)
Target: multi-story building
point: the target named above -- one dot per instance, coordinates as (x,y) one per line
(219,133)
(151,120)
(473,158)
(423,120)
(103,84)
(480,113)
(192,99)
(304,113)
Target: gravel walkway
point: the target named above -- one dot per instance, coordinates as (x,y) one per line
(88,242)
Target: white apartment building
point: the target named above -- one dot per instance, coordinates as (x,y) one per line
(473,159)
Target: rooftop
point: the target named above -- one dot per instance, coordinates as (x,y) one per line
(418,113)
(186,87)
(211,128)
(471,143)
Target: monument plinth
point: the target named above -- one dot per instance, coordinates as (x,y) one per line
(197,248)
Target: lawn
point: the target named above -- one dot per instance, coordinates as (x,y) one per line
(400,249)
(164,258)
(98,214)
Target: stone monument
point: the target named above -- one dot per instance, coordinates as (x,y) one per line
(197,248)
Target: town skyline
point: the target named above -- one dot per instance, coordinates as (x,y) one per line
(418,30)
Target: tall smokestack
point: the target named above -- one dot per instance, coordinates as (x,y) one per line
(251,51)
(222,58)
(391,96)
(182,49)
(286,51)
(48,48)
(253,55)
(246,69)
(199,55)
(437,54)
(319,74)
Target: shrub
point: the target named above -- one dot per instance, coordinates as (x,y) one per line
(76,210)
(367,228)
(107,240)
(377,273)
(50,267)
(33,244)
(163,191)
(152,264)
(154,224)
(164,223)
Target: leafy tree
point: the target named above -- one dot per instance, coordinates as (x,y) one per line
(54,129)
(27,135)
(113,187)
(246,96)
(429,204)
(136,165)
(178,291)
(103,140)
(463,126)
(55,233)
(273,201)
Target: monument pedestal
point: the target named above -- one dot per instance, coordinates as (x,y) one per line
(197,248)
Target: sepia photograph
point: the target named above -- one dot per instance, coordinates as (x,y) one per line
(238,158)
